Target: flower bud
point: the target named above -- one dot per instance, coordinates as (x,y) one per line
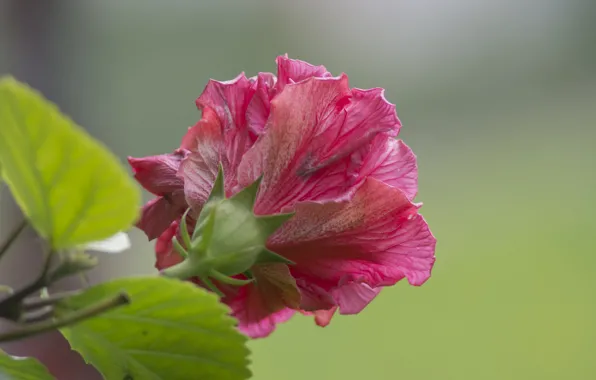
(72,262)
(228,238)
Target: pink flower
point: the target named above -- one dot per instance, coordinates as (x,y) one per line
(326,152)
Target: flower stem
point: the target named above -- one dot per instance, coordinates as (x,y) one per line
(75,317)
(182,271)
(229,280)
(209,284)
(12,236)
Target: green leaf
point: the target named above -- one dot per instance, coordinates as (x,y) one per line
(71,187)
(17,368)
(1,181)
(171,330)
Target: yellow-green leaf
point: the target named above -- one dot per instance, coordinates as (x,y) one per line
(17,368)
(172,330)
(70,186)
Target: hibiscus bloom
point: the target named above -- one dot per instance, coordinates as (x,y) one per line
(326,152)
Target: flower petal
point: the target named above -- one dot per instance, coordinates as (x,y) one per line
(313,297)
(313,127)
(323,317)
(200,167)
(353,297)
(390,161)
(293,125)
(261,328)
(267,86)
(229,100)
(258,109)
(220,136)
(294,70)
(158,174)
(158,213)
(165,255)
(114,244)
(195,134)
(271,299)
(377,238)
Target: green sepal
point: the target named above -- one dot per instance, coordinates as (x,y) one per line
(233,262)
(217,194)
(248,195)
(267,256)
(229,239)
(218,191)
(184,229)
(179,248)
(248,273)
(271,223)
(204,227)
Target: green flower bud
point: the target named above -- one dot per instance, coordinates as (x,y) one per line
(228,238)
(72,262)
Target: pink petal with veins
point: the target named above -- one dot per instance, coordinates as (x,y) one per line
(314,127)
(376,238)
(158,174)
(158,213)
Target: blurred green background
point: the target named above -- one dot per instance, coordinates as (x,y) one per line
(498,101)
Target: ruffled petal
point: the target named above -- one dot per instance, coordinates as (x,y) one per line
(350,298)
(165,255)
(195,134)
(295,116)
(267,86)
(390,161)
(313,127)
(258,109)
(158,213)
(261,328)
(353,297)
(376,238)
(229,100)
(259,306)
(313,297)
(294,70)
(200,167)
(220,136)
(158,174)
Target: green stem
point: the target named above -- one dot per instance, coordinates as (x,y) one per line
(37,315)
(75,317)
(14,234)
(228,280)
(10,307)
(34,303)
(179,248)
(181,271)
(212,286)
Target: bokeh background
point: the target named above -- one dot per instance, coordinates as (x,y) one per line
(498,101)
